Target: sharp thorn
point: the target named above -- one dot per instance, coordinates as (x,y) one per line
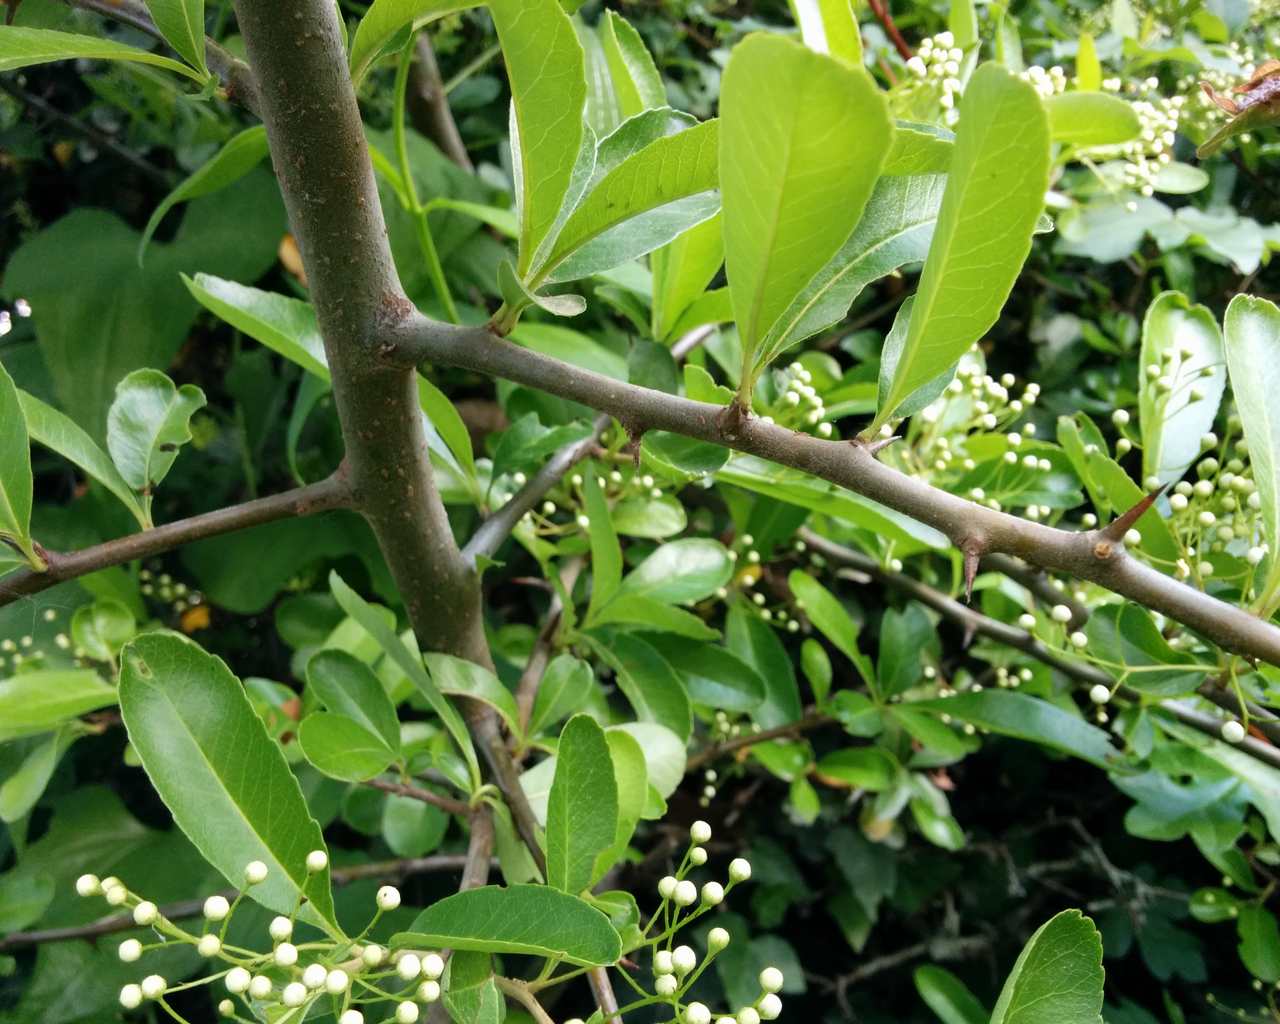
(877,446)
(971,557)
(1117,528)
(970,631)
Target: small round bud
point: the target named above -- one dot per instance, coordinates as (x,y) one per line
(209,945)
(294,994)
(1233,731)
(1060,613)
(700,832)
(739,869)
(286,954)
(260,986)
(1120,417)
(372,955)
(406,1012)
(429,991)
(684,960)
(130,950)
(216,908)
(238,980)
(770,1007)
(145,913)
(153,986)
(409,966)
(685,895)
(432,966)
(748,1015)
(1079,639)
(771,979)
(1100,694)
(317,861)
(131,997)
(662,962)
(227,1008)
(666,985)
(88,885)
(314,975)
(667,887)
(1027,621)
(717,939)
(388,897)
(351,1017)
(280,928)
(336,982)
(255,872)
(697,1013)
(1124,446)
(698,855)
(713,894)
(1255,555)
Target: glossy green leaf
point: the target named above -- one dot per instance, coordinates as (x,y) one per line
(1027,718)
(15,471)
(895,230)
(518,296)
(904,637)
(40,700)
(548,101)
(947,996)
(802,140)
(181,22)
(606,553)
(861,767)
(224,780)
(637,85)
(1001,163)
(681,571)
(383,21)
(932,733)
(664,754)
(24,47)
(830,27)
(347,686)
(712,675)
(582,811)
(1091,119)
(641,204)
(1131,647)
(102,628)
(1252,338)
(816,665)
(646,679)
(1259,942)
(652,518)
(682,270)
(831,619)
(646,613)
(470,992)
(1057,978)
(61,434)
(459,677)
(408,663)
(919,148)
(894,344)
(343,748)
(237,157)
(631,779)
(566,685)
(1088,67)
(531,919)
(23,900)
(147,424)
(20,792)
(412,827)
(755,642)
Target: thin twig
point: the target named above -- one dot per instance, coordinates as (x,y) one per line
(423,795)
(881,10)
(430,105)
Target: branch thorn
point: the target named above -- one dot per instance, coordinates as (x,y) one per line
(1117,528)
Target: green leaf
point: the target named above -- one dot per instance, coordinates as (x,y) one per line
(1091,119)
(470,993)
(1131,647)
(382,22)
(1183,342)
(919,148)
(1027,718)
(518,296)
(641,204)
(565,687)
(24,47)
(904,637)
(582,812)
(712,675)
(829,617)
(1057,978)
(224,780)
(895,230)
(532,919)
(682,270)
(1259,942)
(238,156)
(548,103)
(646,613)
(680,572)
(15,472)
(664,754)
(63,435)
(1252,335)
(1088,67)
(23,900)
(646,679)
(411,827)
(962,20)
(994,197)
(755,642)
(631,780)
(652,518)
(410,664)
(830,27)
(862,767)
(801,144)
(102,628)
(181,22)
(347,686)
(37,701)
(459,677)
(891,355)
(606,554)
(637,85)
(816,665)
(343,748)
(20,792)
(146,425)
(947,996)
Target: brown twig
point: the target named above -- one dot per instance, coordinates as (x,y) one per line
(881,10)
(429,104)
(424,795)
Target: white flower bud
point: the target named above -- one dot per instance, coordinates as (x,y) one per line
(372,955)
(1079,639)
(1100,694)
(227,1008)
(238,980)
(717,939)
(153,986)
(406,1012)
(739,869)
(130,950)
(1027,621)
(697,1013)
(209,945)
(317,861)
(145,913)
(314,975)
(255,872)
(429,991)
(1132,538)
(131,997)
(770,1007)
(771,979)
(686,894)
(351,1017)
(684,960)
(713,894)
(388,897)
(294,994)
(662,962)
(1060,613)
(432,966)
(216,908)
(1124,446)
(748,1015)
(286,954)
(409,966)
(697,856)
(88,885)
(1232,731)
(1255,555)
(1178,502)
(280,928)
(336,982)
(260,986)
(666,985)
(1121,416)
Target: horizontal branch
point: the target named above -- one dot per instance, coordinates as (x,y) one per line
(977,531)
(322,496)
(422,795)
